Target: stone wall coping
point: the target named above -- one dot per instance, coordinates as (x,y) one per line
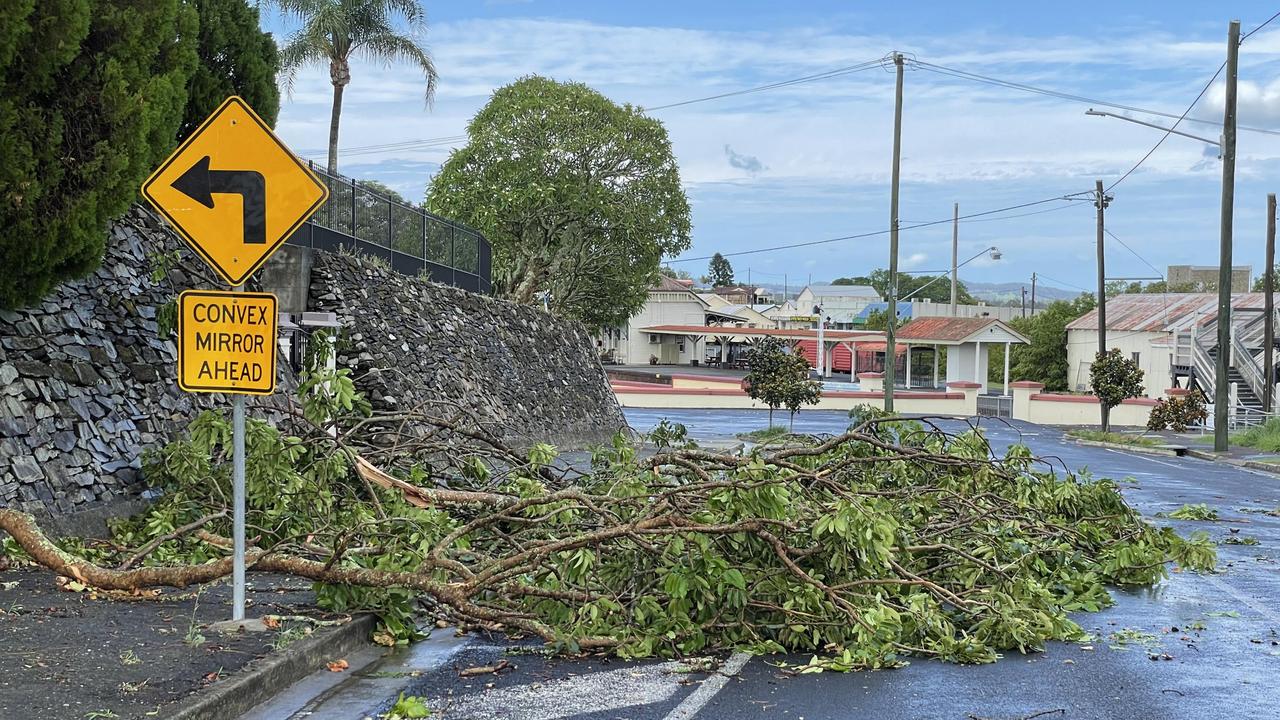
(1031,384)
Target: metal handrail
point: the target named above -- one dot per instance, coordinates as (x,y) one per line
(1205,370)
(1245,365)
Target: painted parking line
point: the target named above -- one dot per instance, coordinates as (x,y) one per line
(699,698)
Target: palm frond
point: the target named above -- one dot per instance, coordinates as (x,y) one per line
(390,48)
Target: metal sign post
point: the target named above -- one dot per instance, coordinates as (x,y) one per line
(235,193)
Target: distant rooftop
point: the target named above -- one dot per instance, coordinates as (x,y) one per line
(1162,312)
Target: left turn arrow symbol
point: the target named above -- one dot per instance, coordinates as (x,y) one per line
(200,184)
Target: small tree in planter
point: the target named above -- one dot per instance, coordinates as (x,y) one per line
(779,378)
(798,388)
(1114,379)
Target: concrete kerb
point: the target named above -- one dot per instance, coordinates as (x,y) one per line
(1168,450)
(261,680)
(1251,464)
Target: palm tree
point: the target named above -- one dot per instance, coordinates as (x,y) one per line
(335,30)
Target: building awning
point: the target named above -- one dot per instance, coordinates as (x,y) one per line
(830,336)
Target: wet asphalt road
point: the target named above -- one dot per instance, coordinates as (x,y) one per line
(1218,633)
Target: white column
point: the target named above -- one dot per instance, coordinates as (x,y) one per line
(821,345)
(908,375)
(853,362)
(977,366)
(935,366)
(1006,369)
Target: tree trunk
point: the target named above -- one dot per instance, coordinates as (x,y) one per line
(1106,417)
(339,75)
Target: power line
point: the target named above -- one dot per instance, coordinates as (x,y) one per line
(837,72)
(1042,276)
(1134,252)
(1012,85)
(1169,131)
(874,233)
(1268,22)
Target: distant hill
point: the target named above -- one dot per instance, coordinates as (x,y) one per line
(1001,293)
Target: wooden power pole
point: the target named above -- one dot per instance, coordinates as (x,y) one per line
(955,254)
(1100,199)
(1268,326)
(1033,294)
(1221,396)
(890,348)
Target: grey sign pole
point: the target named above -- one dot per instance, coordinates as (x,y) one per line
(237,501)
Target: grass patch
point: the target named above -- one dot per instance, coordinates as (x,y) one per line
(1265,437)
(776,432)
(1114,437)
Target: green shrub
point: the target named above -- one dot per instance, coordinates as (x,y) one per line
(91,94)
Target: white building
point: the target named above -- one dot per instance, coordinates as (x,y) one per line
(674,303)
(841,303)
(1148,328)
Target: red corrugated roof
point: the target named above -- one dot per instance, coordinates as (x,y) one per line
(1155,312)
(946,329)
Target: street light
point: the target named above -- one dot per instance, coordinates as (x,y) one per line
(1103,113)
(995,254)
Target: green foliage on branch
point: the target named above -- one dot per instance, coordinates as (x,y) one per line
(91,94)
(236,58)
(895,539)
(580,197)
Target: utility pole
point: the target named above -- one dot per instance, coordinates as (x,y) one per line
(955,253)
(1221,411)
(1033,294)
(1268,326)
(890,347)
(1024,301)
(1100,200)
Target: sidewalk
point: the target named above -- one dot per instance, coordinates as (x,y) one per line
(76,653)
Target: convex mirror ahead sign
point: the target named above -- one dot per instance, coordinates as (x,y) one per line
(227,342)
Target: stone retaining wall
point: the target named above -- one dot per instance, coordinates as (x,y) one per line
(87,382)
(531,376)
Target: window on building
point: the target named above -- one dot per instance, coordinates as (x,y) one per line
(1136,357)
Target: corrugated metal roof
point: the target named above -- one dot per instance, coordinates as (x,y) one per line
(948,329)
(1162,312)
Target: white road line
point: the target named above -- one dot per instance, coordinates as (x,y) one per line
(1225,587)
(1145,457)
(708,689)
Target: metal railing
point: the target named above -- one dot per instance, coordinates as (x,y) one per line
(413,241)
(995,406)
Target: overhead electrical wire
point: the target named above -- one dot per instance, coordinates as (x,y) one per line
(1134,252)
(1040,275)
(1012,85)
(837,72)
(1268,22)
(886,231)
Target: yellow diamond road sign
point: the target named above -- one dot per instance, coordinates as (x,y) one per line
(234,191)
(227,342)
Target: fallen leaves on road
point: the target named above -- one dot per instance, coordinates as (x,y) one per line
(338,665)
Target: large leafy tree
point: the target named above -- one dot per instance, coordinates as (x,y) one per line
(720,270)
(335,31)
(236,58)
(91,95)
(579,197)
(1045,359)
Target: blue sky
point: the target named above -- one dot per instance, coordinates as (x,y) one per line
(811,161)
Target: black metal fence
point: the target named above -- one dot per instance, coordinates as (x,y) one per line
(412,240)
